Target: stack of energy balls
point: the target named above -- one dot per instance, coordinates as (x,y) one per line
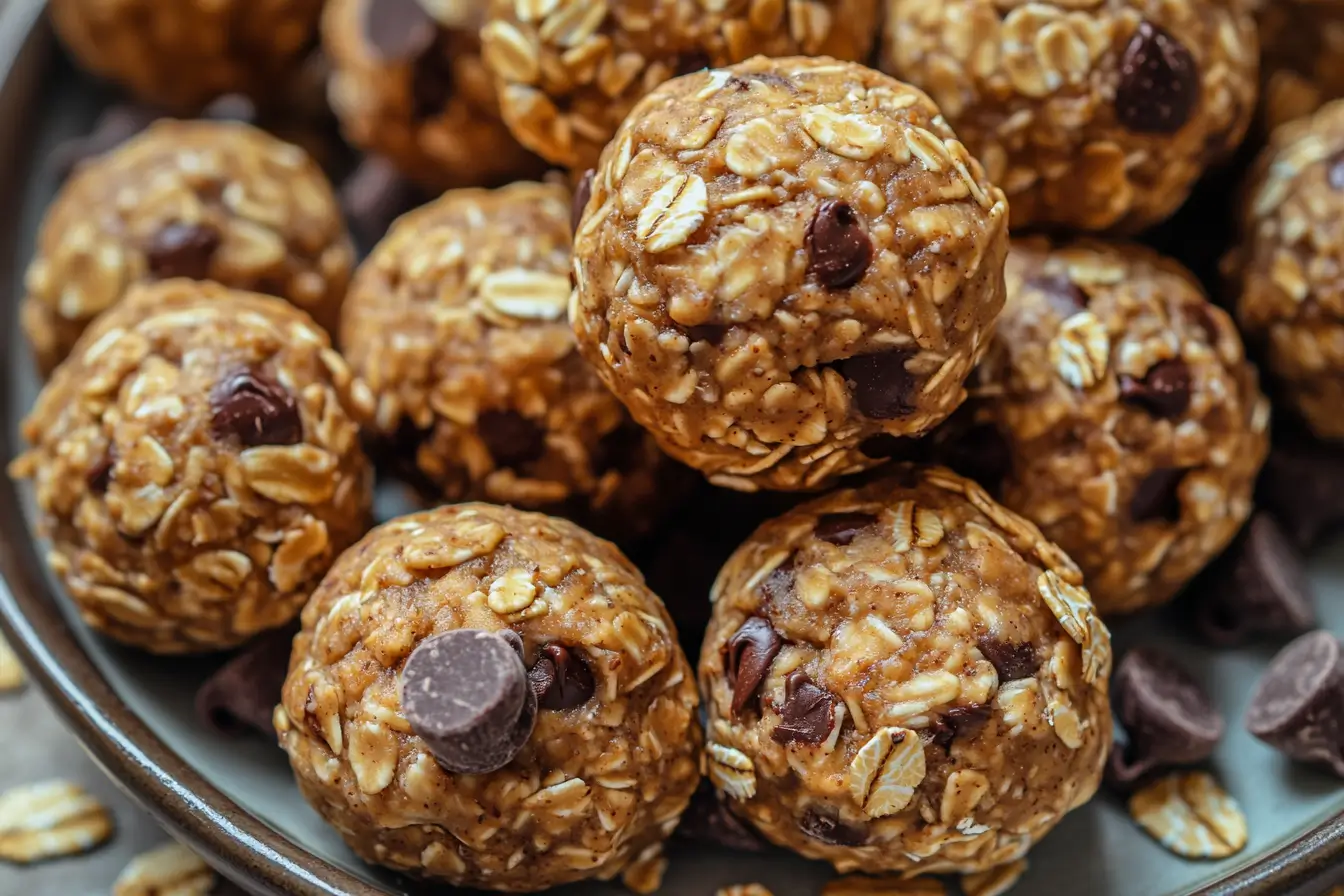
(680,234)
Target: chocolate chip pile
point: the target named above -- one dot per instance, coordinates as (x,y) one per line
(893,385)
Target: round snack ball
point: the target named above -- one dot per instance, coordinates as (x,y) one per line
(783,265)
(1302,57)
(210,200)
(491,698)
(1095,116)
(197,466)
(183,54)
(457,321)
(411,86)
(569,72)
(905,677)
(1120,414)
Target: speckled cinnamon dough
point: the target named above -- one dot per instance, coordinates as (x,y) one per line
(1302,57)
(1090,114)
(184,53)
(210,200)
(197,466)
(1116,409)
(905,677)
(569,71)
(596,784)
(783,263)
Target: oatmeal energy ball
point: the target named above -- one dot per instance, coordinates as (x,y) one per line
(1116,410)
(492,698)
(905,677)
(569,71)
(209,200)
(408,83)
(1302,57)
(182,54)
(197,466)
(1093,115)
(783,265)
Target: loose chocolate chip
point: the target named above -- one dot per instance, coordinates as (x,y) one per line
(692,61)
(1159,83)
(373,196)
(808,712)
(99,476)
(1258,588)
(959,721)
(708,821)
(560,678)
(512,439)
(1064,296)
(231,107)
(747,657)
(840,528)
(880,384)
(1011,659)
(250,406)
(398,30)
(1301,466)
(829,829)
(980,453)
(465,693)
(838,246)
(182,250)
(1157,496)
(582,194)
(778,586)
(1166,715)
(1335,173)
(240,697)
(1164,390)
(115,126)
(1298,706)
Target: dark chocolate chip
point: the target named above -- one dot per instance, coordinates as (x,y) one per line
(709,821)
(1159,83)
(959,721)
(373,196)
(838,246)
(1166,716)
(980,453)
(692,61)
(398,30)
(240,697)
(778,585)
(182,250)
(808,712)
(1334,175)
(250,406)
(880,384)
(1011,659)
(840,528)
(747,657)
(1298,706)
(465,693)
(560,678)
(829,829)
(582,194)
(512,439)
(710,333)
(99,476)
(1157,496)
(1064,296)
(1258,588)
(231,107)
(1300,466)
(116,125)
(1164,390)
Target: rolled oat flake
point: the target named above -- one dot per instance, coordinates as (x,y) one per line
(1298,706)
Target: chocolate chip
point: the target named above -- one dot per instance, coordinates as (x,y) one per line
(582,194)
(99,476)
(1064,296)
(880,384)
(747,657)
(778,586)
(465,693)
(959,721)
(117,124)
(710,333)
(709,821)
(1159,83)
(838,246)
(231,107)
(829,829)
(1157,496)
(250,406)
(840,528)
(1164,390)
(373,196)
(1298,706)
(692,61)
(1299,466)
(1166,716)
(182,250)
(512,439)
(240,697)
(980,453)
(1258,588)
(560,678)
(1011,659)
(398,30)
(1334,175)
(808,712)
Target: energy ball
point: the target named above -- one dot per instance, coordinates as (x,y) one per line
(1302,57)
(209,200)
(491,698)
(1116,410)
(411,86)
(1098,115)
(784,265)
(183,54)
(569,71)
(905,677)
(197,466)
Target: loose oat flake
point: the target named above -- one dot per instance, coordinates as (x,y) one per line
(167,870)
(48,820)
(1191,815)
(11,673)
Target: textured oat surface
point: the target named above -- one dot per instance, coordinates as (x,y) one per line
(1302,57)
(1056,101)
(958,679)
(595,786)
(782,259)
(172,531)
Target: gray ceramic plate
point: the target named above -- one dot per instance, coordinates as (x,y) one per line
(236,801)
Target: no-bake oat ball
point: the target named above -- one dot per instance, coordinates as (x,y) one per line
(569,71)
(182,54)
(1116,410)
(1090,114)
(408,83)
(783,264)
(492,698)
(905,677)
(1302,57)
(209,200)
(197,466)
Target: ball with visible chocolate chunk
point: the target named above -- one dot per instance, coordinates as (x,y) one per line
(785,263)
(491,698)
(904,677)
(196,464)
(1121,415)
(1092,116)
(209,200)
